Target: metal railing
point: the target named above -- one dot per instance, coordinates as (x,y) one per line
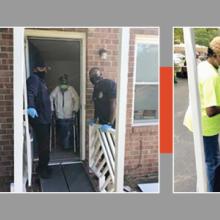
(102,157)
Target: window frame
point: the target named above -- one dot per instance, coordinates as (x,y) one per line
(145,39)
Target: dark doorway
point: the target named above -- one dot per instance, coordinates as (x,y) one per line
(62,57)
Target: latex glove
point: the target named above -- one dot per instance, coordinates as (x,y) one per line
(91,122)
(105,128)
(32,112)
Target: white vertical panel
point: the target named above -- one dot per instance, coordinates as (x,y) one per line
(18,74)
(27,138)
(122,81)
(83,98)
(195,108)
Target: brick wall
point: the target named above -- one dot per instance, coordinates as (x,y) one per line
(6,104)
(141,157)
(141,154)
(98,38)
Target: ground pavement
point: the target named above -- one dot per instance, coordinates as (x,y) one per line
(184,161)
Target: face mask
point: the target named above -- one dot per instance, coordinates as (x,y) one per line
(41,74)
(63,87)
(95,79)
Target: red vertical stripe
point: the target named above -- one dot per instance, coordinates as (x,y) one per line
(166,110)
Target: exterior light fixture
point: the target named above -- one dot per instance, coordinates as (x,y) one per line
(103,53)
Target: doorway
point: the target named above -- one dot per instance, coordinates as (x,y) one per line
(64,53)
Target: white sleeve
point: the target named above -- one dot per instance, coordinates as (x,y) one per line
(75,98)
(52,97)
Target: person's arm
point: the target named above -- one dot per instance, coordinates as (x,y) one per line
(212,111)
(75,98)
(211,92)
(52,97)
(112,99)
(32,91)
(112,110)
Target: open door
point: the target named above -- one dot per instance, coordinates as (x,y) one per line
(60,49)
(23,153)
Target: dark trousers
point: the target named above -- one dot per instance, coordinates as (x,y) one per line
(42,135)
(212,156)
(65,132)
(216,187)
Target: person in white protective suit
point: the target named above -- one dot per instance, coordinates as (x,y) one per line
(65,105)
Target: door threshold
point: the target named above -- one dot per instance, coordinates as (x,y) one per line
(64,163)
(61,161)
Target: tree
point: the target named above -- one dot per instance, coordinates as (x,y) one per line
(178,35)
(202,35)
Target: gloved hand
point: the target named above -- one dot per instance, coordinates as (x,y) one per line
(32,112)
(105,128)
(91,122)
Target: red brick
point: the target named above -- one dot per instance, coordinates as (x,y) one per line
(141,143)
(6,134)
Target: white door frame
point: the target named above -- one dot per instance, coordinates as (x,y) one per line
(195,109)
(18,80)
(62,35)
(121,111)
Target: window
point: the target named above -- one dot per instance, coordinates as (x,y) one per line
(146,80)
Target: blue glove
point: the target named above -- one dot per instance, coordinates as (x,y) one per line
(105,128)
(32,112)
(91,122)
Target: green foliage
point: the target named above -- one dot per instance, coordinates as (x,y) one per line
(202,35)
(178,35)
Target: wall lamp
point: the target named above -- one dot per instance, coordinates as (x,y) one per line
(103,53)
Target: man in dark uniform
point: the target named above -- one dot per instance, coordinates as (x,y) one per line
(104,98)
(39,111)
